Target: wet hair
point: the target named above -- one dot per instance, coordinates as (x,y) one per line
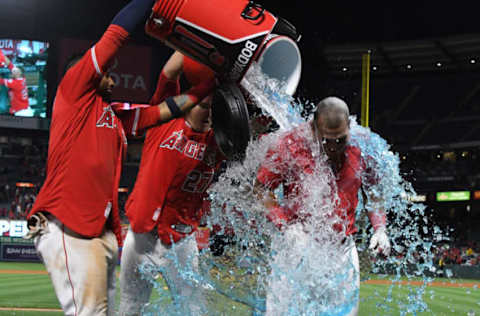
(334,111)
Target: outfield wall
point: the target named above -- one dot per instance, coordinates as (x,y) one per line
(17,249)
(13,247)
(449,270)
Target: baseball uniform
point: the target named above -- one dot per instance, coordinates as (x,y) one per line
(78,225)
(165,207)
(291,159)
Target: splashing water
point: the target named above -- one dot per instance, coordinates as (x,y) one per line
(275,103)
(306,261)
(412,254)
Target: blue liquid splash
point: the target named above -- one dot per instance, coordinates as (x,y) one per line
(261,255)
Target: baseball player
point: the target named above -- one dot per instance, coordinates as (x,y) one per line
(288,163)
(17,88)
(179,160)
(74,221)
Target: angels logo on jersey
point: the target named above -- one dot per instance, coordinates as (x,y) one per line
(107,119)
(190,148)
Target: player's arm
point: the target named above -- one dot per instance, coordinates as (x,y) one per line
(274,211)
(265,195)
(85,74)
(199,76)
(269,177)
(379,242)
(123,24)
(376,212)
(374,201)
(5,61)
(168,83)
(145,116)
(5,82)
(136,118)
(167,100)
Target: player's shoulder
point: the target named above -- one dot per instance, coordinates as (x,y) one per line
(77,73)
(354,150)
(354,154)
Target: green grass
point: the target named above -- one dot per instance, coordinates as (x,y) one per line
(440,300)
(36,291)
(25,313)
(21,266)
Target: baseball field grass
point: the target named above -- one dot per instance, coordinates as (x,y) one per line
(25,289)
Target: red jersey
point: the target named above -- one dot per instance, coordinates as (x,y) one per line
(87,144)
(177,166)
(293,157)
(18,93)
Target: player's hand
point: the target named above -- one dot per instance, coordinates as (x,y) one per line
(277,216)
(379,242)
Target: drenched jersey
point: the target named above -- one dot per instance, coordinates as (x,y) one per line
(177,166)
(295,149)
(87,144)
(18,93)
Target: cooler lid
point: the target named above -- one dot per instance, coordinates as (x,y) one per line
(230,121)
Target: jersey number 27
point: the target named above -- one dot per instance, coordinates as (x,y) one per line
(197,181)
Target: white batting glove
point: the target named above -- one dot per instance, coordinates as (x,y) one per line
(379,242)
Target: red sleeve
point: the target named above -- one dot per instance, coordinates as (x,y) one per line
(84,76)
(165,88)
(2,81)
(10,66)
(108,46)
(272,170)
(7,82)
(378,219)
(136,118)
(2,59)
(196,72)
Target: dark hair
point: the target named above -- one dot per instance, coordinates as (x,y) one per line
(73,60)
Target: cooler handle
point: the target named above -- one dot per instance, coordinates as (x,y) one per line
(252,6)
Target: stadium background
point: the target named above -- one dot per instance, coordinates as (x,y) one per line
(424,99)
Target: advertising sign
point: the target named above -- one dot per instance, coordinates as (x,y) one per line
(453,196)
(17,249)
(13,228)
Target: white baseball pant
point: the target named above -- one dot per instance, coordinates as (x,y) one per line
(278,302)
(82,269)
(147,248)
